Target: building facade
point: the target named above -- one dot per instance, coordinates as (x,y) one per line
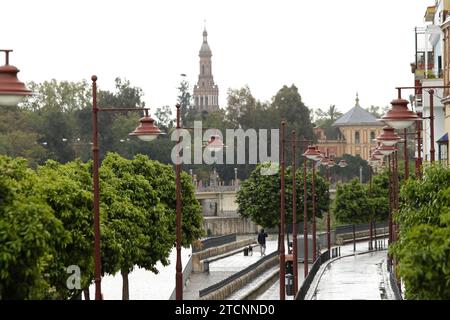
(443,149)
(428,70)
(357,132)
(206,92)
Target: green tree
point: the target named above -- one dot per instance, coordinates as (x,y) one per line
(50,114)
(240,102)
(259,197)
(139,229)
(136,226)
(351,204)
(377,111)
(165,119)
(288,105)
(30,235)
(325,120)
(67,190)
(332,114)
(187,111)
(350,172)
(423,247)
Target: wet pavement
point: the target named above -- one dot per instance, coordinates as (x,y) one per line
(145,285)
(359,277)
(273,293)
(222,269)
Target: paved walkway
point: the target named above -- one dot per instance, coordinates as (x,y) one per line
(273,293)
(359,277)
(222,269)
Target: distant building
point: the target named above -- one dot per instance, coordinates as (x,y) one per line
(357,131)
(428,71)
(443,150)
(206,92)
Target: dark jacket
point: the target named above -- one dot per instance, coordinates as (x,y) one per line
(262,237)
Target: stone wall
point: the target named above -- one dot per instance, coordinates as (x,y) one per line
(219,226)
(198,257)
(223,292)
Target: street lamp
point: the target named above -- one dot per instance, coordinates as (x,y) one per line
(313,155)
(294,215)
(281,252)
(388,137)
(146,131)
(214,144)
(399,116)
(343,163)
(12,91)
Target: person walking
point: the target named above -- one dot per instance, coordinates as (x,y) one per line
(262,241)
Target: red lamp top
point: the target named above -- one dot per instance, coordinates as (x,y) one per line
(147,130)
(215,143)
(386,150)
(9,83)
(331,163)
(388,136)
(312,154)
(325,160)
(377,154)
(343,163)
(399,116)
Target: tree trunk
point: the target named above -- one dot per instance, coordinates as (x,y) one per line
(371,235)
(86,294)
(354,238)
(125,286)
(375,232)
(287,239)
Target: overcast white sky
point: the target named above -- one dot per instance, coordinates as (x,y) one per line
(329,49)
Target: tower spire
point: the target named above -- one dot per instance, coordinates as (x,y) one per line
(357,100)
(206,92)
(205,33)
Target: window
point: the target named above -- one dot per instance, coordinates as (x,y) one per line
(203,70)
(372,136)
(357,140)
(443,152)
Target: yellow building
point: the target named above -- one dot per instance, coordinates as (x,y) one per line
(357,131)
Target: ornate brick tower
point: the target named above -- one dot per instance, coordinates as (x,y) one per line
(206,93)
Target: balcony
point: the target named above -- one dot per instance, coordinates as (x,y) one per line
(429,14)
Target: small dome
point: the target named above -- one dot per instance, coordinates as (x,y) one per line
(205,49)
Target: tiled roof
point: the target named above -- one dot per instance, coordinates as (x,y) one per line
(357,116)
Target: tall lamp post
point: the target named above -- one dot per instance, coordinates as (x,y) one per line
(12,91)
(400,117)
(324,162)
(313,155)
(214,144)
(146,131)
(392,115)
(293,142)
(282,257)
